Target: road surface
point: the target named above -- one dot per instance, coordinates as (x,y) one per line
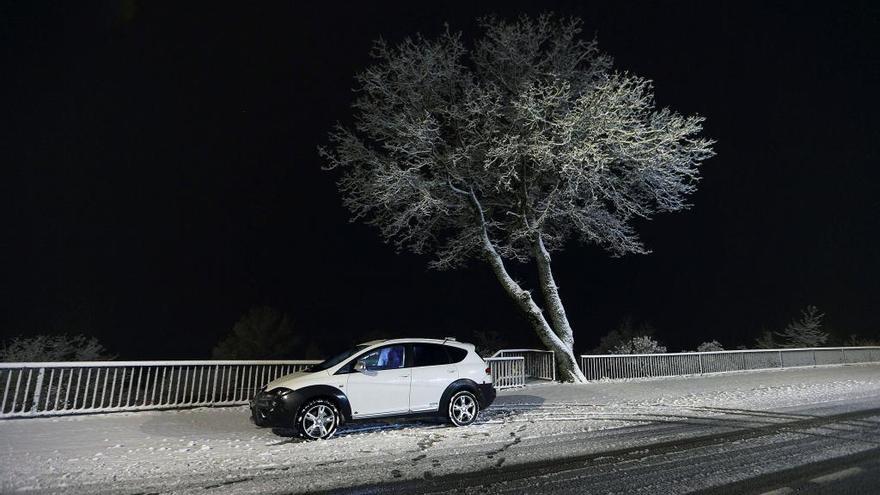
(810,430)
(828,448)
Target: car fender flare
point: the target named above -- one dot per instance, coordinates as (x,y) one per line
(307,393)
(457,386)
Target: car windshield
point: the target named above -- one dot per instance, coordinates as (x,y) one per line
(342,356)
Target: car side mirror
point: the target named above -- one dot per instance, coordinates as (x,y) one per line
(360,366)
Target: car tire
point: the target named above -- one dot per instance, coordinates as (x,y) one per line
(463,408)
(318,419)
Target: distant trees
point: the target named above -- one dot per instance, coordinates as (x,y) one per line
(261,333)
(622,336)
(806,331)
(487,342)
(63,347)
(857,341)
(766,340)
(504,151)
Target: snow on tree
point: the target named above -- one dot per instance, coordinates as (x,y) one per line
(639,345)
(806,332)
(711,346)
(505,151)
(62,347)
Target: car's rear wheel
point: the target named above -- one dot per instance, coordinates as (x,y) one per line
(463,408)
(318,419)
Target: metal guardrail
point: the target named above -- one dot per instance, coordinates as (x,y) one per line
(622,366)
(49,389)
(539,364)
(507,372)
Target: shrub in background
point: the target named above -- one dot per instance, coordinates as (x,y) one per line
(639,345)
(711,346)
(61,347)
(623,335)
(857,341)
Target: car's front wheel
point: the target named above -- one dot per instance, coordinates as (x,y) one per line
(318,419)
(463,408)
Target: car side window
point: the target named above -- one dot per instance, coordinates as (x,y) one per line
(456,353)
(384,358)
(429,355)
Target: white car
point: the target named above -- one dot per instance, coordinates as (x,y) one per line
(382,378)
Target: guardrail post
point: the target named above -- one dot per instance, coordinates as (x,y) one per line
(38,390)
(214,385)
(780,359)
(701,363)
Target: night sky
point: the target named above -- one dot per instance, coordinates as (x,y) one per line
(160,175)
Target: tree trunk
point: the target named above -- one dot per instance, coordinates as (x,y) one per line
(566,362)
(551,294)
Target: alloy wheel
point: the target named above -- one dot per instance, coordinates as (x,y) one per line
(318,421)
(463,408)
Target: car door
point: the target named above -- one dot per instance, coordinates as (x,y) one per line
(431,374)
(383,387)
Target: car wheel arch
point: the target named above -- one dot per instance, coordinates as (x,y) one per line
(457,386)
(333,394)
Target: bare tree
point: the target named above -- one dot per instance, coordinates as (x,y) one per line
(506,151)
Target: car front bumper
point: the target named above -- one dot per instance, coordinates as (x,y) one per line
(275,408)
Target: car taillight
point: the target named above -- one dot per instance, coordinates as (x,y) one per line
(488,370)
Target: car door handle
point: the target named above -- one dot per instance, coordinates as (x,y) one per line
(451,371)
(404,376)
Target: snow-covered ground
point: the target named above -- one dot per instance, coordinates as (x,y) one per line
(191,450)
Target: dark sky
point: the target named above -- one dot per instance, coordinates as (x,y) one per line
(160,175)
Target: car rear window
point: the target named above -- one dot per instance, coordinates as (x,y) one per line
(429,355)
(456,353)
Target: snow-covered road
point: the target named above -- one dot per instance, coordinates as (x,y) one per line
(745,425)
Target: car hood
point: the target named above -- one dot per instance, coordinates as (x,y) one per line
(297,380)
